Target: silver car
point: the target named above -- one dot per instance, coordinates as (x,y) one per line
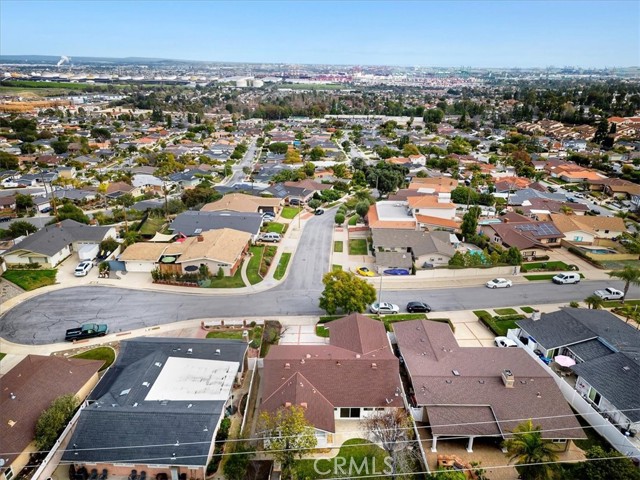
(384,308)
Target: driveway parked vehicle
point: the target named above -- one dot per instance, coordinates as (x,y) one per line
(418,307)
(499,283)
(566,278)
(83,268)
(396,271)
(609,294)
(365,272)
(504,342)
(384,308)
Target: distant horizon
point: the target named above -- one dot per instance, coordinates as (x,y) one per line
(428,34)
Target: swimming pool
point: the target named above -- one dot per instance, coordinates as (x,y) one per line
(598,251)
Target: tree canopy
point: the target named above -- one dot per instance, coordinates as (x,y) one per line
(53,420)
(346,292)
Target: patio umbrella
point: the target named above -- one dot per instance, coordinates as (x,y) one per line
(564,361)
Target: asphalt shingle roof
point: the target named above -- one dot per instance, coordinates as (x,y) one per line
(190,221)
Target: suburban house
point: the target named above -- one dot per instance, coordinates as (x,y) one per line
(390,214)
(159,407)
(239,202)
(53,243)
(337,384)
(478,392)
(607,355)
(296,192)
(588,228)
(28,389)
(617,187)
(406,248)
(433,211)
(116,189)
(192,223)
(540,208)
(216,249)
(531,237)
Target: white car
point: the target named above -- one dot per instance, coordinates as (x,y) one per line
(504,342)
(384,308)
(499,283)
(83,268)
(609,294)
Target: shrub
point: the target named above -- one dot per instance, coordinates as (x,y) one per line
(339,218)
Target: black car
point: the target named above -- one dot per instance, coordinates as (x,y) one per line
(319,211)
(418,307)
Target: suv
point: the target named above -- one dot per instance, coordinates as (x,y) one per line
(270,237)
(83,268)
(564,278)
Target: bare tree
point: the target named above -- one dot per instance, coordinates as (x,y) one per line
(392,430)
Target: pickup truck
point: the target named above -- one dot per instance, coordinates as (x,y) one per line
(88,330)
(609,294)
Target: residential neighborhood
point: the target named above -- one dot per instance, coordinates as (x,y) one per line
(227,270)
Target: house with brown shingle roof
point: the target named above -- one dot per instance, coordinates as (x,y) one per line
(239,202)
(27,390)
(587,228)
(337,384)
(479,392)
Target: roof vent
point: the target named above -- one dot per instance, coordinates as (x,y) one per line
(448,381)
(145,384)
(357,355)
(308,355)
(11,423)
(287,366)
(302,361)
(374,366)
(190,405)
(12,395)
(626,368)
(125,392)
(287,404)
(455,372)
(189,351)
(135,404)
(158,364)
(535,316)
(217,351)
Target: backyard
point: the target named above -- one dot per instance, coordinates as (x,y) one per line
(31,279)
(151,226)
(355,451)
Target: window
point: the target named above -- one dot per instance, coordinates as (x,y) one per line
(350,413)
(594,396)
(559,440)
(8,473)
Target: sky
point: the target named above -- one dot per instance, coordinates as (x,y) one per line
(455,33)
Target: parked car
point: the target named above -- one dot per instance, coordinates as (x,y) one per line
(270,237)
(83,268)
(365,272)
(88,330)
(418,307)
(609,294)
(499,283)
(504,342)
(319,211)
(396,271)
(384,308)
(566,278)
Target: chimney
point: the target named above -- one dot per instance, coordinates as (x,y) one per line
(508,379)
(304,405)
(200,238)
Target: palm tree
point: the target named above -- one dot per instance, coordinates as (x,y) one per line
(531,451)
(630,275)
(594,301)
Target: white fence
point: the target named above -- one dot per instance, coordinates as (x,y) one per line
(601,425)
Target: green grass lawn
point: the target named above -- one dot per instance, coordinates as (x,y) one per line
(282,266)
(106,354)
(552,266)
(228,282)
(322,331)
(542,276)
(289,212)
(336,268)
(31,279)
(152,225)
(254,264)
(357,246)
(356,449)
(275,227)
(338,246)
(354,219)
(505,311)
(527,309)
(230,335)
(617,304)
(499,325)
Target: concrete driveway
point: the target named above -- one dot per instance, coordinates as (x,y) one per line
(302,335)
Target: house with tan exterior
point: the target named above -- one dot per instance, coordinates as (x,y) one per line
(586,228)
(479,393)
(28,389)
(216,249)
(239,202)
(337,384)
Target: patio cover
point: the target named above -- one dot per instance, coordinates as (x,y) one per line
(471,421)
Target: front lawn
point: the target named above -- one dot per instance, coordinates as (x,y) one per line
(228,282)
(355,451)
(542,276)
(505,311)
(551,266)
(499,325)
(322,331)
(106,354)
(336,268)
(527,309)
(338,246)
(31,279)
(289,212)
(282,266)
(357,246)
(254,264)
(275,227)
(228,335)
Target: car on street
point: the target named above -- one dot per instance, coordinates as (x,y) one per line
(418,307)
(504,342)
(609,294)
(396,271)
(566,278)
(319,211)
(365,272)
(499,283)
(83,268)
(384,308)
